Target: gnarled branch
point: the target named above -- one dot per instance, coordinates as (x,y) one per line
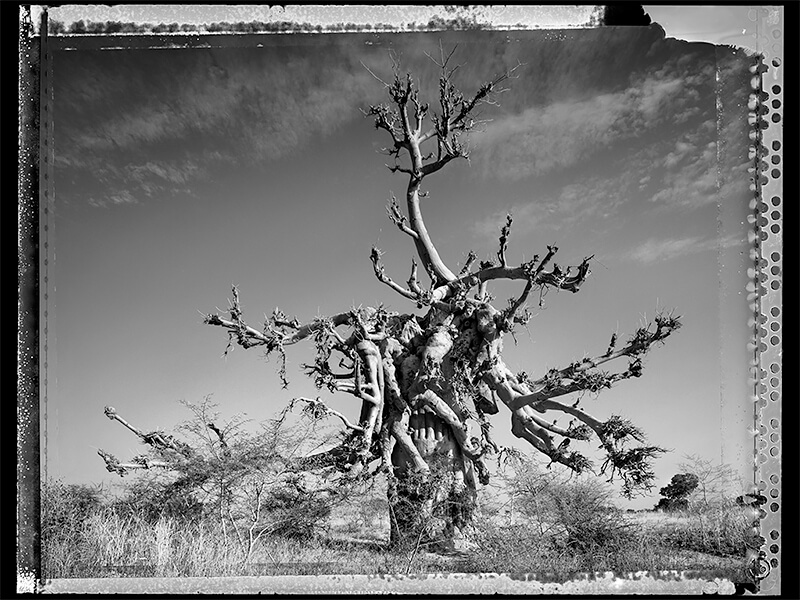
(139,462)
(568,280)
(317,409)
(584,375)
(399,219)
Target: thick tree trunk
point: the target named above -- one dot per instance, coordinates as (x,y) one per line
(432,510)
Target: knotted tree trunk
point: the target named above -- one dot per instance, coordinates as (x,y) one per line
(435,509)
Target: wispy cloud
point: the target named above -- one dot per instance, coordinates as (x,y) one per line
(121,197)
(591,197)
(564,133)
(658,250)
(688,171)
(118,120)
(142,124)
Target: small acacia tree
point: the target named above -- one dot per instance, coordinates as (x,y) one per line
(428,381)
(717,483)
(247,483)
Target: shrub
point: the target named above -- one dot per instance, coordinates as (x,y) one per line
(296,515)
(155,497)
(672,504)
(559,525)
(64,505)
(675,495)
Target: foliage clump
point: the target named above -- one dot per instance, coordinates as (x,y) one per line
(676,493)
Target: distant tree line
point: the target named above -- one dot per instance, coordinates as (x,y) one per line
(117,27)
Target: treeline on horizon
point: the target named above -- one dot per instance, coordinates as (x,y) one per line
(55,27)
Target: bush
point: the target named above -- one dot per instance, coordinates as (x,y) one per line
(294,515)
(672,504)
(155,497)
(64,505)
(65,510)
(558,525)
(507,548)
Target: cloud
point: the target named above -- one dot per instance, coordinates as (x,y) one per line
(150,122)
(689,174)
(165,171)
(121,197)
(146,124)
(699,168)
(564,133)
(658,250)
(597,197)
(272,102)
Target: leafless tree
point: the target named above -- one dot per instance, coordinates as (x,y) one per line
(428,381)
(716,482)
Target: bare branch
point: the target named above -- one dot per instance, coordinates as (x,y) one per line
(471,256)
(280,320)
(317,409)
(380,273)
(157,439)
(510,314)
(399,219)
(584,375)
(582,432)
(504,232)
(248,336)
(139,462)
(422,298)
(111,413)
(401,169)
(413,282)
(386,119)
(452,119)
(563,280)
(445,60)
(525,427)
(431,168)
(386,85)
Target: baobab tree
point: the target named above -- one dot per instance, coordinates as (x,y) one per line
(428,381)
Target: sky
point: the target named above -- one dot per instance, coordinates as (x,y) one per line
(178,173)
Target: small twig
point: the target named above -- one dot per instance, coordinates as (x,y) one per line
(319,409)
(386,85)
(504,233)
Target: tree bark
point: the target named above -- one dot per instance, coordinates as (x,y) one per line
(437,507)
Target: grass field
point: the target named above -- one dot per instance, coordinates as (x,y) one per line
(102,543)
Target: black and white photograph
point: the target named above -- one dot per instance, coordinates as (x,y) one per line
(409,299)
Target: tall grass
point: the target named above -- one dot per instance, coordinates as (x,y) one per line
(721,529)
(108,545)
(615,542)
(577,534)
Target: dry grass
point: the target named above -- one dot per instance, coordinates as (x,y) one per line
(107,545)
(720,530)
(104,543)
